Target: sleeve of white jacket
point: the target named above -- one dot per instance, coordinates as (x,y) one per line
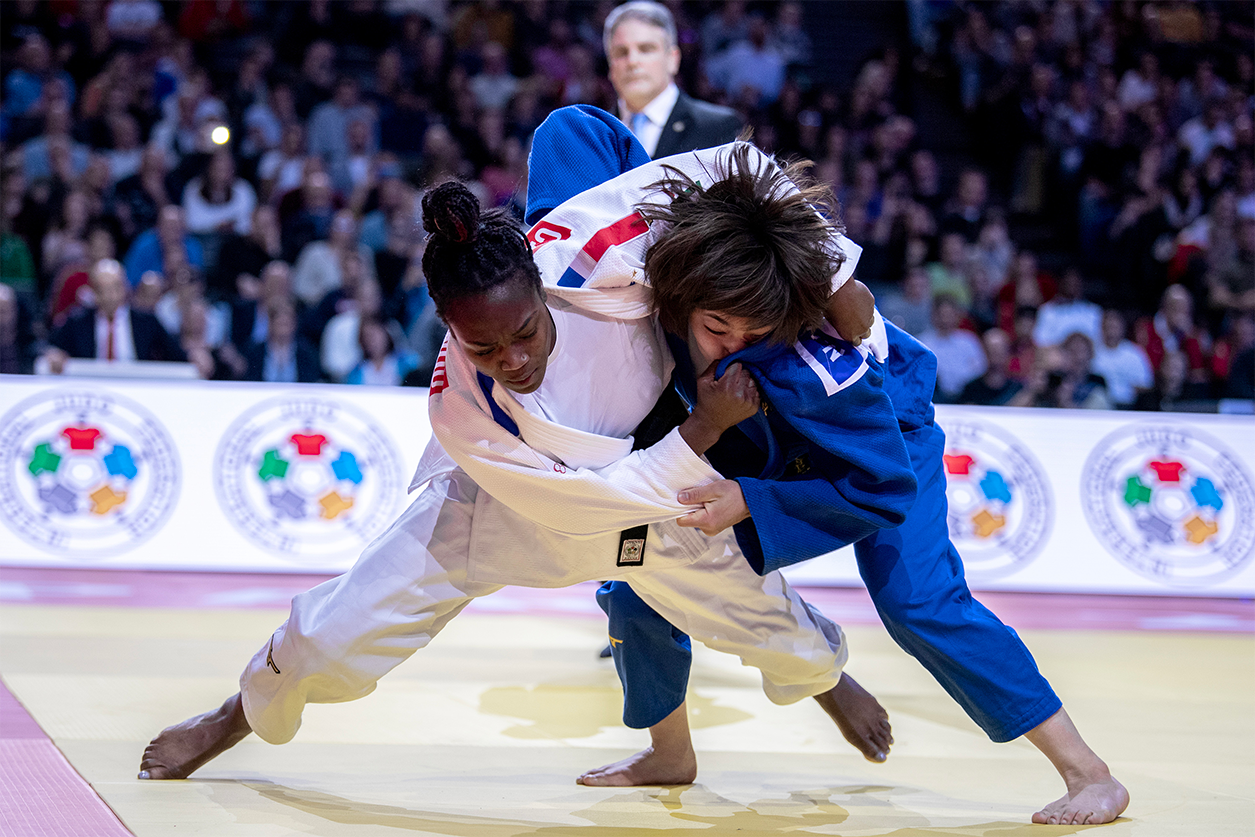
(637,489)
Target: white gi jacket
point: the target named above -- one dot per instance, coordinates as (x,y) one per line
(555,499)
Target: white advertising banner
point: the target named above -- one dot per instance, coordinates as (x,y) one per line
(201,476)
(256,477)
(1093,501)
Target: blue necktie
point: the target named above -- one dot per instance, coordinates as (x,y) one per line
(639,123)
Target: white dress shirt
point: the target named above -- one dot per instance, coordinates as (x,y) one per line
(123,342)
(657,112)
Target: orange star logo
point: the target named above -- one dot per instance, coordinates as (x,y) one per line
(986,524)
(333,504)
(1200,530)
(105,498)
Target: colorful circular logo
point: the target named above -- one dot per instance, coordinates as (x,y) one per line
(85,473)
(307,478)
(1000,506)
(1171,503)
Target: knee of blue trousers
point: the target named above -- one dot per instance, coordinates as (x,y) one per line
(652,656)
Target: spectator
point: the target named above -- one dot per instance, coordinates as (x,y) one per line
(382,364)
(494,86)
(132,21)
(186,288)
(112,330)
(1203,133)
(996,387)
(1240,383)
(960,357)
(54,152)
(281,169)
(1172,329)
(1173,388)
(249,321)
(317,207)
(246,255)
(644,57)
(319,268)
(71,287)
(340,351)
(218,201)
(1231,281)
(911,307)
(16,347)
(1121,362)
(138,199)
(17,265)
(751,71)
(284,358)
(329,123)
(948,275)
(1026,287)
(125,152)
(1074,384)
(65,243)
(1067,312)
(965,213)
(1230,365)
(153,247)
(724,28)
(790,37)
(317,79)
(25,87)
(213,20)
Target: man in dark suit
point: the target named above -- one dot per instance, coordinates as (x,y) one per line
(284,357)
(111,330)
(640,43)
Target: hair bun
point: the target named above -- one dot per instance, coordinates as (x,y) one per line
(451,212)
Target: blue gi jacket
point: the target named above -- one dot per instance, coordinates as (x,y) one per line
(824,464)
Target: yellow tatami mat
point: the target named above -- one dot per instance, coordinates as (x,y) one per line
(483,733)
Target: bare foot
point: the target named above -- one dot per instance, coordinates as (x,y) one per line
(1093,797)
(1089,804)
(669,760)
(860,717)
(184,747)
(645,768)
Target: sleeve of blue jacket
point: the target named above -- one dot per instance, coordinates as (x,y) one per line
(859,479)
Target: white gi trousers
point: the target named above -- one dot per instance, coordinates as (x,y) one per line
(345,634)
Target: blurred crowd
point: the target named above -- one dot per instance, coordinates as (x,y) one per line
(237,183)
(1116,267)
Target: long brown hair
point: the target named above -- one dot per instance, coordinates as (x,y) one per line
(749,245)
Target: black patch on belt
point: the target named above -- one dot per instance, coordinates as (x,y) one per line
(632,546)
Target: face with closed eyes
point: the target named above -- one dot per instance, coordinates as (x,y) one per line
(506,332)
(714,335)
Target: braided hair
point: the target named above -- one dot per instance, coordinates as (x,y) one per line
(469,253)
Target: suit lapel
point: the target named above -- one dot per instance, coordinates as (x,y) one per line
(680,121)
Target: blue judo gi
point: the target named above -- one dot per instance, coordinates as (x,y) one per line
(787,460)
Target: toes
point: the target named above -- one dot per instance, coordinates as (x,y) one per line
(1040,818)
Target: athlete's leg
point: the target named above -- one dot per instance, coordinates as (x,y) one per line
(915,578)
(722,602)
(344,634)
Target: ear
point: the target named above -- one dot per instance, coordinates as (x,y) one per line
(673,61)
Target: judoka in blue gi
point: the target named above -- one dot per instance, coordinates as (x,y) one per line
(792,464)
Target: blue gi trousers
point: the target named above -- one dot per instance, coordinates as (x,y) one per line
(915,578)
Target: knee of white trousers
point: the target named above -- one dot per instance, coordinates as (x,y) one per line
(802,673)
(285,675)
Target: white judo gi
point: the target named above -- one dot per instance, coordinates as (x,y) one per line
(542,508)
